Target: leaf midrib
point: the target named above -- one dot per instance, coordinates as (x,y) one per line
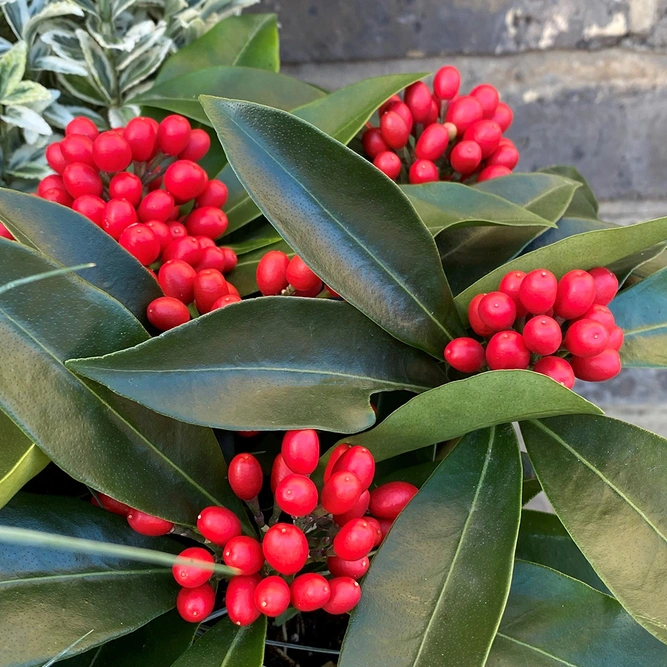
(82,575)
(259,27)
(536,649)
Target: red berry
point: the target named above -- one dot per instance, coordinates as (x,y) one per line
(586,338)
(192,576)
(345,595)
(309,592)
(446,82)
(475,320)
(488,97)
(207,221)
(359,461)
(389,164)
(503,156)
(112,505)
(542,335)
(211,258)
(231,259)
(391,101)
(354,540)
(218,525)
(55,158)
(377,530)
(119,214)
(418,99)
(186,248)
(385,526)
(359,509)
(146,524)
(486,133)
(599,368)
(245,476)
(465,157)
(463,112)
(285,548)
(432,142)
(5,233)
(92,207)
(48,182)
(301,450)
(616,338)
(111,152)
(244,553)
(503,115)
(507,349)
(497,310)
(82,126)
(341,492)
(59,196)
(198,145)
(301,277)
(538,291)
(389,500)
(336,453)
(296,495)
(177,230)
(373,142)
(156,205)
(272,273)
(214,194)
(557,369)
(209,286)
(225,300)
(205,242)
(348,568)
(434,113)
(279,471)
(77,148)
(423,171)
(185,180)
(126,186)
(141,243)
(141,135)
(606,285)
(173,135)
(576,292)
(465,355)
(154,184)
(161,231)
(395,131)
(82,179)
(272,596)
(240,600)
(510,285)
(600,314)
(495,171)
(403,111)
(195,604)
(177,279)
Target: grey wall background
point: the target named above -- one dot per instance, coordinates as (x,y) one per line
(587,80)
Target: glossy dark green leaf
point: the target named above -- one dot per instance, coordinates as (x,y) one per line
(227,645)
(110,444)
(243,277)
(375,252)
(552,620)
(252,237)
(437,587)
(568,171)
(466,405)
(641,311)
(531,485)
(606,481)
(180,94)
(250,40)
(269,363)
(544,540)
(49,599)
(583,251)
(341,115)
(69,238)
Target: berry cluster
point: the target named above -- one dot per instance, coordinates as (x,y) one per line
(143,186)
(278,274)
(441,135)
(334,530)
(561,328)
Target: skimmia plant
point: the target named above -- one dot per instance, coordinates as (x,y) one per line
(273,417)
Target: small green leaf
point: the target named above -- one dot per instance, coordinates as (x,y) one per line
(447,560)
(253,237)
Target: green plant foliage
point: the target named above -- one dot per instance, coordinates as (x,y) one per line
(605,479)
(243,277)
(430,578)
(531,485)
(326,385)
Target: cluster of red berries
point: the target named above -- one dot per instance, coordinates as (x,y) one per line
(560,328)
(335,529)
(441,135)
(278,274)
(143,186)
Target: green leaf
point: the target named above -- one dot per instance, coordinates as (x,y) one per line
(228,645)
(27,92)
(641,311)
(437,587)
(243,277)
(110,444)
(242,41)
(583,251)
(375,251)
(544,540)
(552,620)
(456,408)
(341,115)
(12,68)
(180,94)
(574,174)
(253,237)
(606,481)
(50,599)
(286,362)
(531,485)
(70,238)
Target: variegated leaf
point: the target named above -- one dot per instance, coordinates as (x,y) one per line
(144,66)
(59,65)
(12,68)
(145,43)
(64,44)
(80,87)
(51,10)
(100,69)
(27,92)
(120,6)
(26,119)
(17,15)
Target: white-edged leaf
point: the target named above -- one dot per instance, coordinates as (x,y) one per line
(51,10)
(26,118)
(144,66)
(27,92)
(60,65)
(99,67)
(12,68)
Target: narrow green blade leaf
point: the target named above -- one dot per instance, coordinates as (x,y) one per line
(228,645)
(375,252)
(316,362)
(42,276)
(554,621)
(568,171)
(71,239)
(431,576)
(253,237)
(605,479)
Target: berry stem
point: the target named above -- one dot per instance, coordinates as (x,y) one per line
(257,513)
